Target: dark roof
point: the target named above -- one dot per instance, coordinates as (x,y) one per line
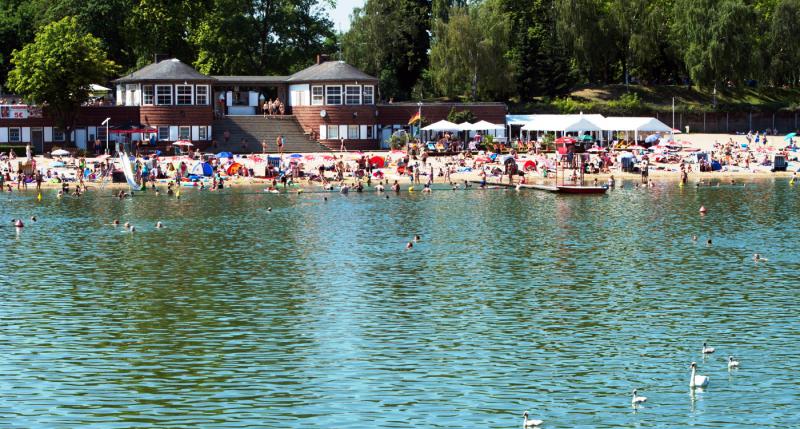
(172,69)
(241,80)
(330,71)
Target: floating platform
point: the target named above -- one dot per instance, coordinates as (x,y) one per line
(558,189)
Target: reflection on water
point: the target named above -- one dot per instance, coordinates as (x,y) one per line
(314,314)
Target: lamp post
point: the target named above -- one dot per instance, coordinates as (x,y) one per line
(106,124)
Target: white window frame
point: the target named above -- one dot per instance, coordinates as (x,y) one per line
(347,94)
(165,94)
(130,94)
(328,95)
(145,95)
(335,134)
(178,95)
(351,135)
(318,99)
(59,135)
(371,95)
(206,96)
(19,135)
(182,136)
(202,133)
(163,130)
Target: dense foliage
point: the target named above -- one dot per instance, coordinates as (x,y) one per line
(57,69)
(470,49)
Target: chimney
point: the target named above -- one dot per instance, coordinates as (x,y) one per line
(321,58)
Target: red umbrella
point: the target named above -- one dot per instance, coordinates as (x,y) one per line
(377,161)
(566,140)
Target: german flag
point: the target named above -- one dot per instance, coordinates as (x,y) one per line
(414,118)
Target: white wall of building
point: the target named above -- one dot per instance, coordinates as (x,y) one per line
(299,95)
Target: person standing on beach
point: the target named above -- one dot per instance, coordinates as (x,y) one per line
(226,136)
(265,109)
(341,145)
(264,146)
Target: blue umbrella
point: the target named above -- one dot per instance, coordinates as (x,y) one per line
(789,136)
(652,138)
(224,155)
(295,155)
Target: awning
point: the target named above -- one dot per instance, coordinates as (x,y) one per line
(640,124)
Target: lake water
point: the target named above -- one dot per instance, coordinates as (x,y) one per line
(315,315)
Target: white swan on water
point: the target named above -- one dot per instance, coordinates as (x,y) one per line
(732,363)
(530,423)
(707,350)
(697,380)
(636,400)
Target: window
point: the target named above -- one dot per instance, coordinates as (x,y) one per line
(352,132)
(333,95)
(201,97)
(352,94)
(184,133)
(369,132)
(101,133)
(183,95)
(317,98)
(147,95)
(202,133)
(58,135)
(14,135)
(369,95)
(163,133)
(333,132)
(130,95)
(163,94)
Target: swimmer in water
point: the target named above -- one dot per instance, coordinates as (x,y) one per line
(269,209)
(127,225)
(417,239)
(159,225)
(324,198)
(409,245)
(133,228)
(33,218)
(708,242)
(759,258)
(115,223)
(694,238)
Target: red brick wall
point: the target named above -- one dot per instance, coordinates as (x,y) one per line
(176,115)
(87,116)
(310,120)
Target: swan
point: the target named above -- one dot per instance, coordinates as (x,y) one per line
(732,363)
(707,350)
(636,400)
(697,380)
(530,423)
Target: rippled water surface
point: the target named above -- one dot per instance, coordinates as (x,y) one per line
(315,315)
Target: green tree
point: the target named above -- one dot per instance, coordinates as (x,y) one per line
(389,39)
(784,40)
(715,46)
(469,53)
(537,55)
(56,69)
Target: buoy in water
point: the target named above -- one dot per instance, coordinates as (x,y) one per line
(18,223)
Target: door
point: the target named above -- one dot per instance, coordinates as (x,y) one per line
(80,138)
(37,139)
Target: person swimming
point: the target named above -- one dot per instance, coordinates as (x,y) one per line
(417,239)
(33,218)
(115,222)
(708,242)
(18,223)
(694,238)
(759,258)
(159,225)
(409,245)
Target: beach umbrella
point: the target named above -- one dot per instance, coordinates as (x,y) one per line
(59,152)
(184,143)
(224,155)
(586,138)
(652,138)
(377,161)
(295,155)
(565,140)
(233,168)
(789,136)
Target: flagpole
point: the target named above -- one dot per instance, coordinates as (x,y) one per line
(419,121)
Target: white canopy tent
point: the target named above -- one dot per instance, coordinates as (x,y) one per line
(487,126)
(635,124)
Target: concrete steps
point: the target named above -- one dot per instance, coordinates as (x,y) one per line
(255,129)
